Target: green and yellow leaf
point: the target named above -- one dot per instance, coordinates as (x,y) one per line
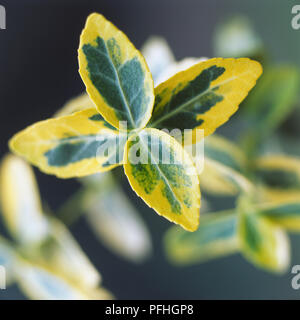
(215,237)
(162,173)
(263,242)
(279,176)
(204,96)
(62,254)
(39,283)
(286,215)
(224,168)
(20,201)
(76,104)
(71,146)
(115,74)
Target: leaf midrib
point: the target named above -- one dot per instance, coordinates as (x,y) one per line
(159,170)
(120,87)
(177,110)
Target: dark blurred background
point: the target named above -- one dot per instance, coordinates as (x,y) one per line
(38,73)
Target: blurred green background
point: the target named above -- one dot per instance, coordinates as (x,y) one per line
(38,64)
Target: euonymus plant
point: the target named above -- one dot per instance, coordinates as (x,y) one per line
(254,168)
(128,109)
(250,166)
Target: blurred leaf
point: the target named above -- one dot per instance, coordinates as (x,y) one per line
(289,143)
(20,201)
(53,246)
(81,201)
(39,283)
(279,177)
(62,254)
(115,74)
(215,237)
(237,38)
(76,104)
(111,216)
(224,168)
(287,215)
(158,56)
(269,104)
(116,222)
(262,242)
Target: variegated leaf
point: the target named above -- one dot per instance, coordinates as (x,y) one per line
(38,282)
(71,146)
(115,74)
(224,167)
(215,237)
(164,176)
(263,242)
(279,176)
(205,95)
(20,201)
(62,254)
(115,221)
(286,214)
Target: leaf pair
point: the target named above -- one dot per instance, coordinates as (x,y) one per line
(257,231)
(120,85)
(227,171)
(262,241)
(215,237)
(262,232)
(45,260)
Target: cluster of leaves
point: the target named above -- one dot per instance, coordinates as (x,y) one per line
(125,107)
(196,93)
(42,256)
(255,168)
